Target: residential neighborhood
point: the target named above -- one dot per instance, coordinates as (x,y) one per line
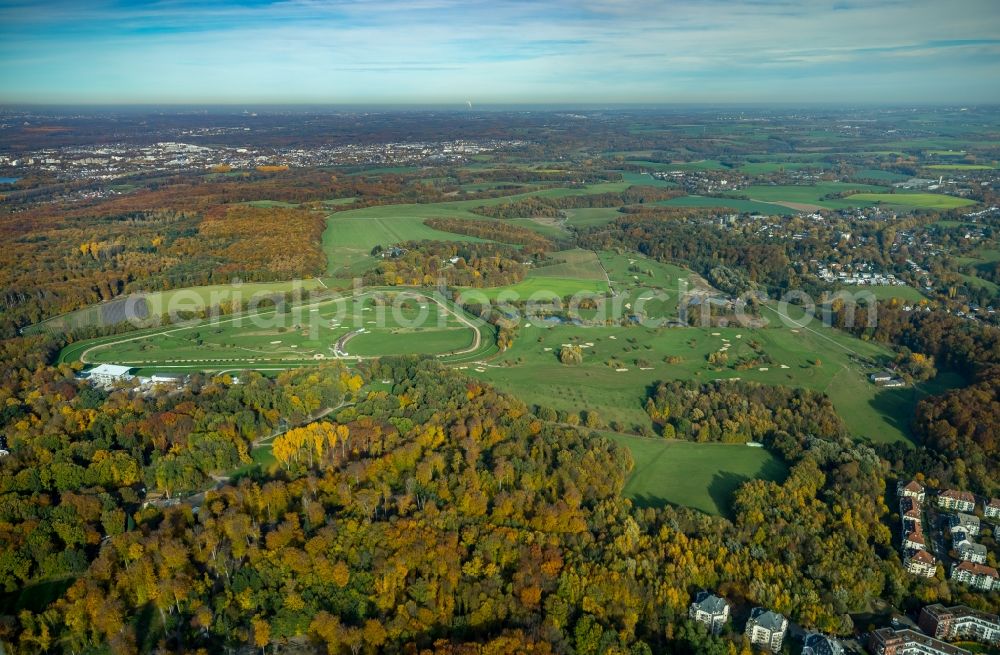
(958,526)
(916,558)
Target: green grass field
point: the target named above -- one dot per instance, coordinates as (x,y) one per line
(196,298)
(759,168)
(531,369)
(922,200)
(703,476)
(637,281)
(305,335)
(977,283)
(700,165)
(960,167)
(809,194)
(91,316)
(411,341)
(350,235)
(653,286)
(879,174)
(737,204)
(908,293)
(391,170)
(981,257)
(538,288)
(589,217)
(576,263)
(187,299)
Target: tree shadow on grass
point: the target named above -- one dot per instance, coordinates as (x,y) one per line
(897,406)
(645,501)
(721,489)
(725,484)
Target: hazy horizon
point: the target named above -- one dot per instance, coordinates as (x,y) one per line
(446,52)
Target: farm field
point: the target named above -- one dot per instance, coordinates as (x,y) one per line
(924,200)
(350,235)
(701,165)
(391,170)
(960,167)
(808,196)
(757,168)
(737,204)
(589,217)
(531,369)
(703,476)
(791,157)
(879,174)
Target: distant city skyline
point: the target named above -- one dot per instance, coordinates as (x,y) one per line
(451,52)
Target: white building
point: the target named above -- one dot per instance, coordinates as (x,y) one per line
(817,644)
(911,489)
(960,623)
(920,562)
(109,374)
(965,524)
(961,501)
(971,552)
(711,610)
(766,628)
(977,576)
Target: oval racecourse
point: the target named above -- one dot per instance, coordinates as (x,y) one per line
(369,324)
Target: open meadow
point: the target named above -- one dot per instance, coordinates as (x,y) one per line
(736,204)
(621,364)
(921,200)
(350,235)
(808,197)
(703,476)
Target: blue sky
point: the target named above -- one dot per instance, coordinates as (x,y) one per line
(500,51)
